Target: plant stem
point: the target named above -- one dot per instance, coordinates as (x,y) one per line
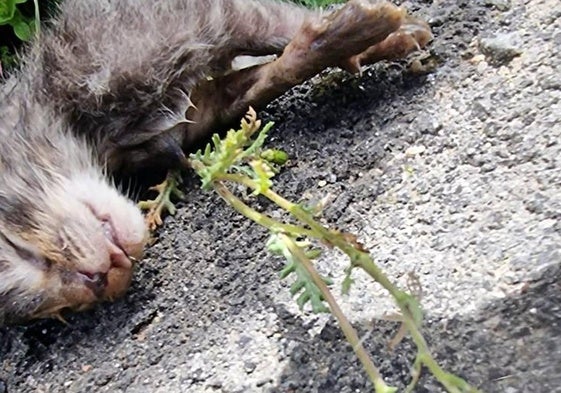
(364,261)
(255,216)
(346,326)
(37,18)
(261,219)
(359,258)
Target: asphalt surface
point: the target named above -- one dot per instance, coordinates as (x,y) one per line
(454,176)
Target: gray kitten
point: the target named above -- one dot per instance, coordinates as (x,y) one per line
(118,86)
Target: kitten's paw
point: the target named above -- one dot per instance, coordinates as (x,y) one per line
(413,35)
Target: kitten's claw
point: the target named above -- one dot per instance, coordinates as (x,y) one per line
(162,203)
(413,35)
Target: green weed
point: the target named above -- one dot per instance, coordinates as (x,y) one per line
(238,159)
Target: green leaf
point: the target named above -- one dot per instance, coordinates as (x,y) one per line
(233,153)
(304,298)
(313,253)
(7,11)
(347,281)
(297,287)
(287,270)
(23,26)
(259,140)
(304,284)
(23,30)
(262,176)
(275,156)
(381,387)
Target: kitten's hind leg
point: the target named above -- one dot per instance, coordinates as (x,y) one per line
(360,32)
(357,34)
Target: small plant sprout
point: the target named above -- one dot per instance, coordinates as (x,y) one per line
(165,190)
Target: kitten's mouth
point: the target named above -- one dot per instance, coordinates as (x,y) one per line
(98,282)
(118,255)
(120,246)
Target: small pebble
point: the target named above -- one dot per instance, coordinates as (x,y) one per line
(415,150)
(501,48)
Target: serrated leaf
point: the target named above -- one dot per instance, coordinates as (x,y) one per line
(297,287)
(243,169)
(233,153)
(216,141)
(320,307)
(208,150)
(304,298)
(262,176)
(288,269)
(304,284)
(252,149)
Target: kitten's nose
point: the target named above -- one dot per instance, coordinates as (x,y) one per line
(96,282)
(118,257)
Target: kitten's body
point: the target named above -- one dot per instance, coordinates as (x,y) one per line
(109,86)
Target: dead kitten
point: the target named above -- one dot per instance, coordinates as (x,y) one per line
(128,85)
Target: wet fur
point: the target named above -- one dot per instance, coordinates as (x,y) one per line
(138,63)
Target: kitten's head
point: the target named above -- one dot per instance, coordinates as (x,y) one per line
(68,237)
(75,248)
